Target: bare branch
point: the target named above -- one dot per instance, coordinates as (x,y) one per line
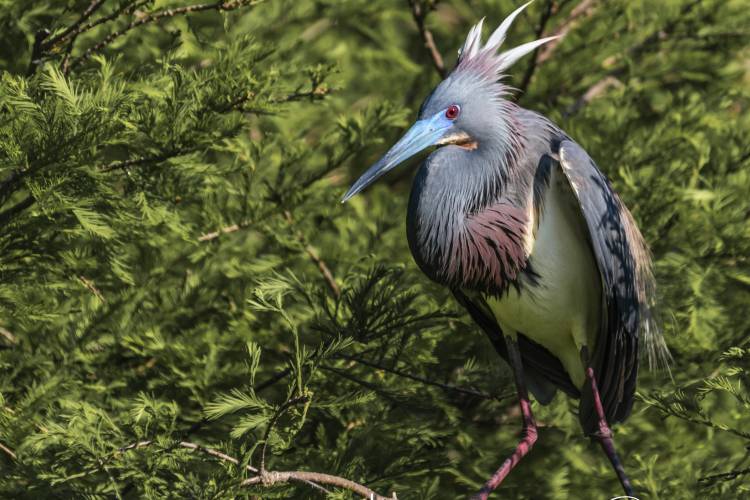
(65,66)
(272,478)
(191,446)
(73,30)
(127,9)
(159,16)
(419,13)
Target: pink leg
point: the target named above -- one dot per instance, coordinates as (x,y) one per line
(528,432)
(605,435)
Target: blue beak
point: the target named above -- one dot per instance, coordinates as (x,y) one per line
(422,135)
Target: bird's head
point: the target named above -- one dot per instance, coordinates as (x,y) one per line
(464,109)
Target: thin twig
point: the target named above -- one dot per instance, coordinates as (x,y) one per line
(92,287)
(134,162)
(277,415)
(446,387)
(546,15)
(317,260)
(419,13)
(373,387)
(127,9)
(72,30)
(724,476)
(160,15)
(190,446)
(272,380)
(7,335)
(8,451)
(324,270)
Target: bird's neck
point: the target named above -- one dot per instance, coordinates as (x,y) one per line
(466,222)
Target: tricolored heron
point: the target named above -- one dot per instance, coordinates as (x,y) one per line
(516,219)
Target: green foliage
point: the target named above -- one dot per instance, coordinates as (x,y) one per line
(178,277)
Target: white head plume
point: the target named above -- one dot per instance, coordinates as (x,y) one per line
(475,55)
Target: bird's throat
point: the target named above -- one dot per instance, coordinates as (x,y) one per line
(457,245)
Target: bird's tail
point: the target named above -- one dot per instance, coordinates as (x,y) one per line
(651,341)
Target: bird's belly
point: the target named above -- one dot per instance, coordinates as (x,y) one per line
(561,308)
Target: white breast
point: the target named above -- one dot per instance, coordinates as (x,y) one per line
(562,311)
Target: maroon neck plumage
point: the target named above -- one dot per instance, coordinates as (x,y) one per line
(465,228)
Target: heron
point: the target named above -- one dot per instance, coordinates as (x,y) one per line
(516,219)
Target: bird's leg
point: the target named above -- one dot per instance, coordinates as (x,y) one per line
(528,432)
(604,435)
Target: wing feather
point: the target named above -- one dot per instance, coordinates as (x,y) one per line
(625,267)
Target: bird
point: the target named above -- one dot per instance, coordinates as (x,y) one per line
(516,219)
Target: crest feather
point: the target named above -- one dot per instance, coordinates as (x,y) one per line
(508,58)
(473,41)
(497,38)
(484,58)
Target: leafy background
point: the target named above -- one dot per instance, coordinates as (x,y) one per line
(176,269)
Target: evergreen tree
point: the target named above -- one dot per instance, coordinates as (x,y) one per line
(186,309)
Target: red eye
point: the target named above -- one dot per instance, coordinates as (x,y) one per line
(452,112)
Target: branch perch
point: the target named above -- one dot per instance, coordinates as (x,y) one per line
(271,478)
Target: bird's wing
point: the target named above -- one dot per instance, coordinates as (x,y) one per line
(543,372)
(624,266)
